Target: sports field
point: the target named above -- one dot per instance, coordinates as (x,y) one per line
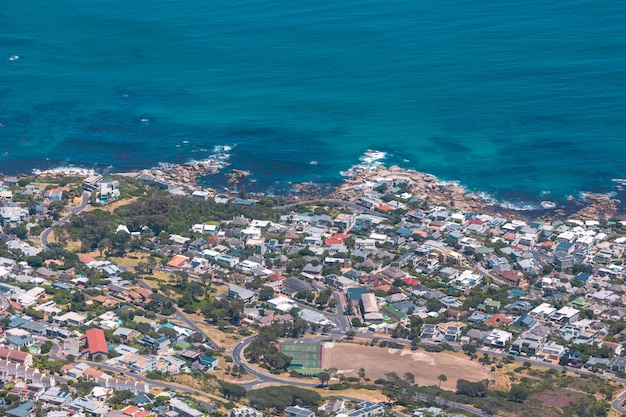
(305,356)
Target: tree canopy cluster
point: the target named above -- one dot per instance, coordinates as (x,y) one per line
(281,397)
(263,348)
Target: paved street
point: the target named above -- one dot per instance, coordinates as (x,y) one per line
(73,211)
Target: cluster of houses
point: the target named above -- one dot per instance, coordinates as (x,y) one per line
(547,288)
(388,273)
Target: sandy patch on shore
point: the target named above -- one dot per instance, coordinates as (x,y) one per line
(426,366)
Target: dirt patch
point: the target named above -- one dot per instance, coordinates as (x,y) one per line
(112,206)
(426,366)
(224,340)
(558,399)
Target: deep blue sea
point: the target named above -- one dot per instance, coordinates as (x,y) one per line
(523,100)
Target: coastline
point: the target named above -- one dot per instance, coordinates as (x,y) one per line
(362,180)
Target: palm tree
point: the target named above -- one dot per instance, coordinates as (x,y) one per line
(442,378)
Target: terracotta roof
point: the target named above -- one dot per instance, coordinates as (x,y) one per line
(411,281)
(496,320)
(100,299)
(13,355)
(276,277)
(144,292)
(333,241)
(93,373)
(130,410)
(84,258)
(96,342)
(509,276)
(178,261)
(509,236)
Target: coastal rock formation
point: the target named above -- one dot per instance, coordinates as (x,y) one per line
(183,174)
(423,186)
(598,206)
(236,175)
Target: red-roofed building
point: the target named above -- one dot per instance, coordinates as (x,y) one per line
(276,277)
(476,221)
(333,241)
(84,258)
(96,342)
(17,306)
(411,281)
(178,261)
(16,356)
(510,277)
(509,236)
(497,319)
(131,410)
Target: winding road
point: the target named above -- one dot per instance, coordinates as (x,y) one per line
(73,211)
(262,377)
(344,203)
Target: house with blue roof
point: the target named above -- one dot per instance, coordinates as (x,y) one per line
(23,410)
(209,363)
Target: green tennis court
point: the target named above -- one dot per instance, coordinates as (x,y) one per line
(305,356)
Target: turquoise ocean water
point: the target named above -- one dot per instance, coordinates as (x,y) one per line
(515,99)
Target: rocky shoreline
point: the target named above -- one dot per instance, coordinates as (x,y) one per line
(427,187)
(424,186)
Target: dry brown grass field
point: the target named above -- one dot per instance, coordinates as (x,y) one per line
(426,366)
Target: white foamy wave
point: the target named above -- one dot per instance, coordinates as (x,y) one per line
(518,206)
(68,170)
(223,148)
(372,157)
(369,160)
(510,205)
(219,159)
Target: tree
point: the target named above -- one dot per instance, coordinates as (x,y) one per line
(231,391)
(46,347)
(409,377)
(518,393)
(361,373)
(470,349)
(472,389)
(356,322)
(433,305)
(266,293)
(350,334)
(442,378)
(324,377)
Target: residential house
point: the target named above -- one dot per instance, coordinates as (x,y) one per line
(208,362)
(245,412)
(498,338)
(16,356)
(241,293)
(297,411)
(95,343)
(183,409)
(364,409)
